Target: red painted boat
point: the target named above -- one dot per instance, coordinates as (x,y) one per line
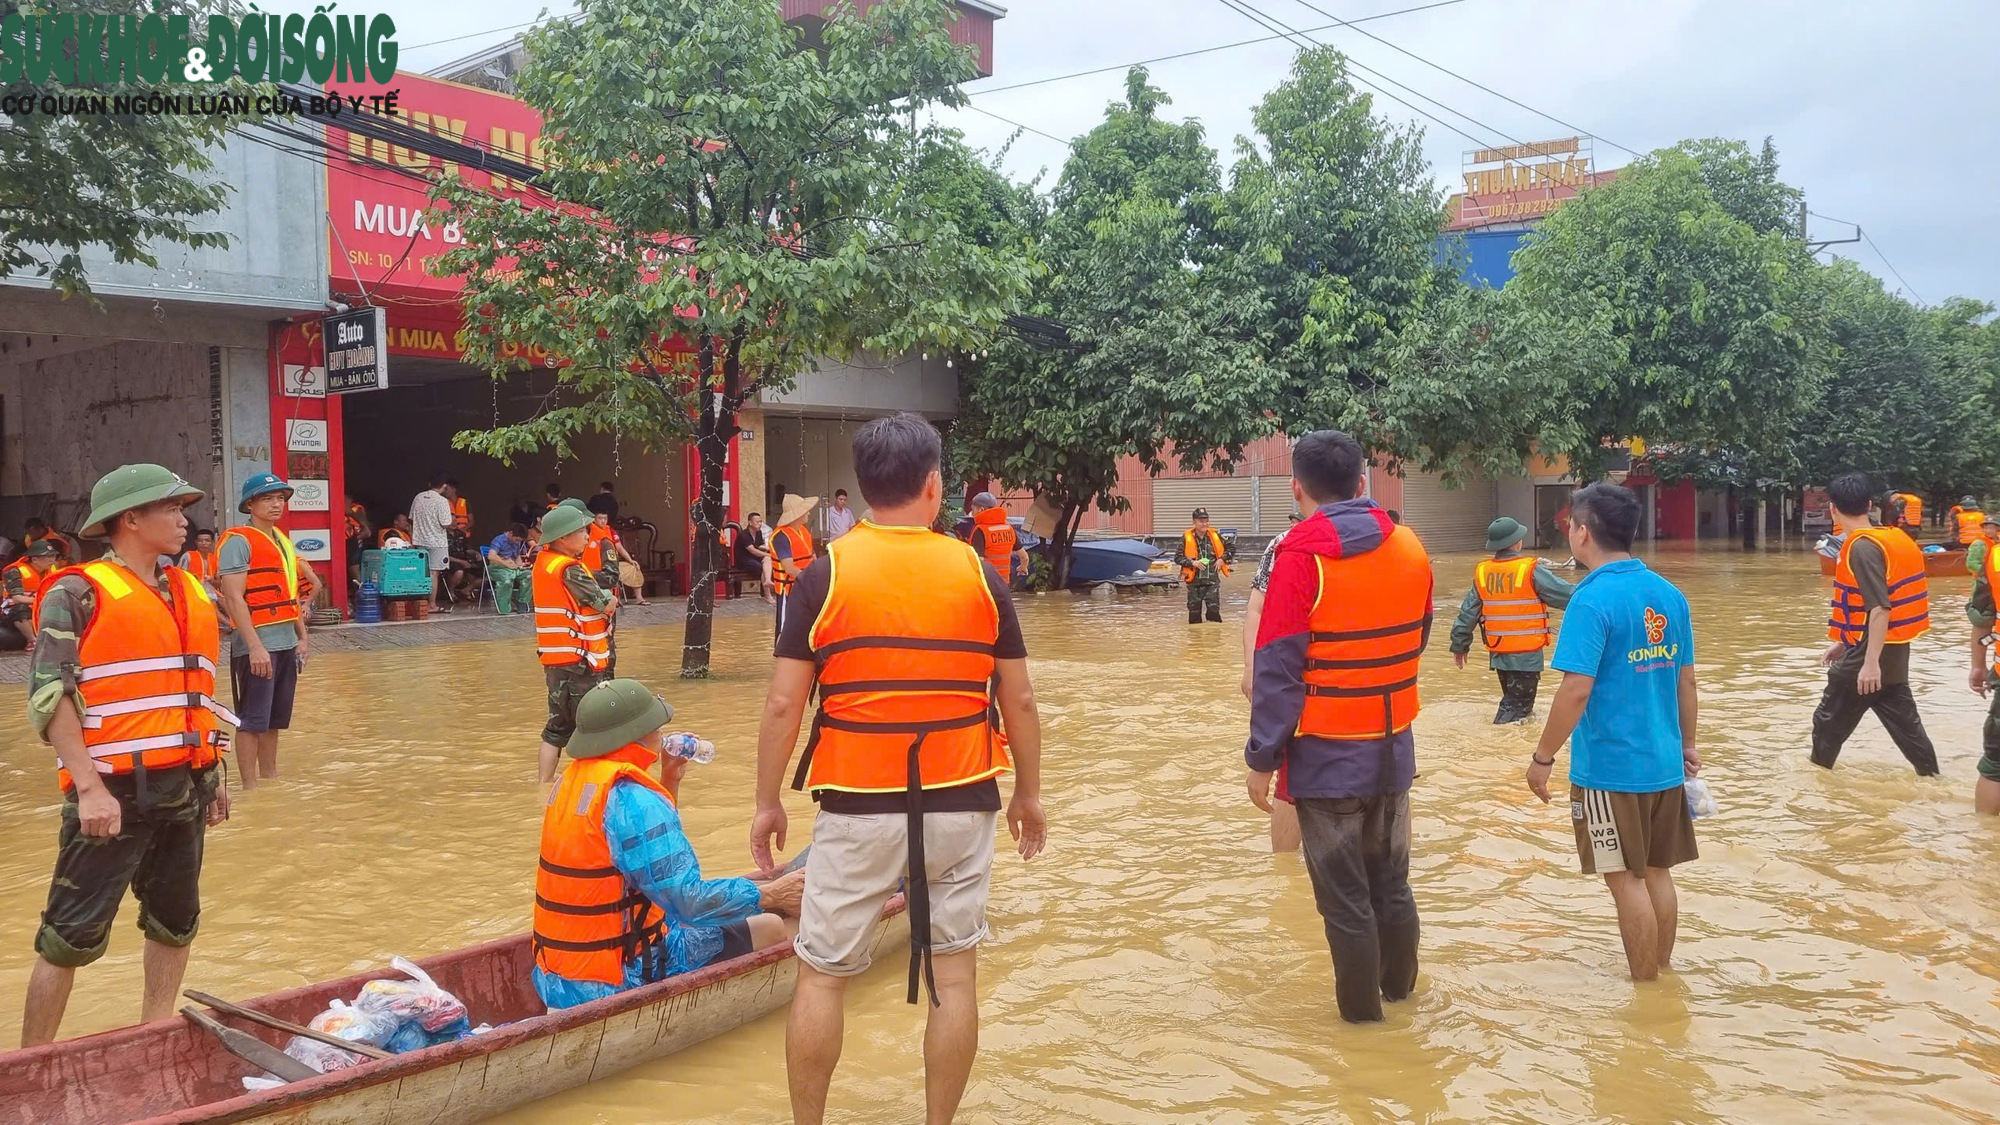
(170,1072)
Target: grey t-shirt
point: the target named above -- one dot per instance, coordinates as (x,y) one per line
(234,558)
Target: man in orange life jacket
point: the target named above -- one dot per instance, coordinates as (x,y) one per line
(122,685)
(1203,562)
(994,538)
(23,580)
(619,896)
(1333,692)
(201,560)
(917,656)
(37,530)
(1963,521)
(1509,604)
(791,550)
(263,585)
(572,625)
(1881,602)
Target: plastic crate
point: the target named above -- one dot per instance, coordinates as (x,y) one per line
(404,573)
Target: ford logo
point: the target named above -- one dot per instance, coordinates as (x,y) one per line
(310,543)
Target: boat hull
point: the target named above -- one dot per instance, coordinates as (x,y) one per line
(1101,560)
(171,1073)
(1937,564)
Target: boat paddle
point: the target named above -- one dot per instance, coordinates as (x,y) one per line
(366,1050)
(252,1049)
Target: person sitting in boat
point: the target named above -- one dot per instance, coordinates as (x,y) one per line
(619,896)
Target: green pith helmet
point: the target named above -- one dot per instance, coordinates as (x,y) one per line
(563,520)
(42,549)
(615,714)
(579,505)
(1504,532)
(134,486)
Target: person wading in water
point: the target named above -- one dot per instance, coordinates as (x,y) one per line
(1333,693)
(1509,604)
(912,643)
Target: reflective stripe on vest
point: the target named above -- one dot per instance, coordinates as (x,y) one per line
(1369,624)
(565,631)
(146,676)
(802,557)
(271,586)
(1909,590)
(1512,616)
(589,923)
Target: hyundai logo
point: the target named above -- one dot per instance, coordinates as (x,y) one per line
(311,543)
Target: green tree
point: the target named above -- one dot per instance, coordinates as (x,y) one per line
(1909,400)
(756,202)
(1720,328)
(1162,361)
(126,182)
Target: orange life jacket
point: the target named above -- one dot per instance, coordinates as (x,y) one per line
(566,632)
(1969,521)
(600,547)
(1512,616)
(201,564)
(461,514)
(31,579)
(1188,551)
(1913,509)
(905,685)
(904,680)
(146,672)
(1909,590)
(1000,540)
(802,557)
(61,541)
(274,585)
(1369,624)
(589,923)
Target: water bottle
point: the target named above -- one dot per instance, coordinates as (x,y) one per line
(689,748)
(368,605)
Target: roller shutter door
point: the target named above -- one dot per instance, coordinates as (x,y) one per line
(1226,498)
(1448,519)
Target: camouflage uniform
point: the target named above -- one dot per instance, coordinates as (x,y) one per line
(567,683)
(158,849)
(1204,590)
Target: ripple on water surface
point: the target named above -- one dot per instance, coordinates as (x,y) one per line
(1837,951)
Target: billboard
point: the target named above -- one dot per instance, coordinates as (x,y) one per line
(1522,183)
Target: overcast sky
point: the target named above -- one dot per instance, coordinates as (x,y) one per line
(1881,111)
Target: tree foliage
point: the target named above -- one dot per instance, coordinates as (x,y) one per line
(1719,325)
(126,182)
(733,204)
(1164,362)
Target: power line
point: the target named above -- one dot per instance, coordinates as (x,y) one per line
(1018,125)
(1892,268)
(1350,25)
(1203,50)
(1858,229)
(1242,7)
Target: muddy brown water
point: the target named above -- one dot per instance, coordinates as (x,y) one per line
(1838,950)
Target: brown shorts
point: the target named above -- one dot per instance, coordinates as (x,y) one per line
(857,862)
(1631,831)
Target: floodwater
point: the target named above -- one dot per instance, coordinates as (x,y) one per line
(1837,959)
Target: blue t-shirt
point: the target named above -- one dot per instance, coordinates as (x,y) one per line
(1629,628)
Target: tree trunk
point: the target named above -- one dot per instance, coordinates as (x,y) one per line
(1747,510)
(1066,520)
(715,424)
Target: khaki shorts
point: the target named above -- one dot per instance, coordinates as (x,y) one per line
(1631,831)
(857,862)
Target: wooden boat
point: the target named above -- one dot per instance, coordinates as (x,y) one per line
(1937,564)
(170,1072)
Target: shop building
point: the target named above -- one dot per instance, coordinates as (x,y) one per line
(171,364)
